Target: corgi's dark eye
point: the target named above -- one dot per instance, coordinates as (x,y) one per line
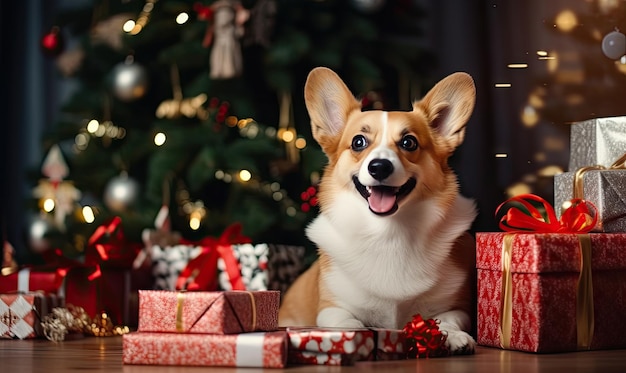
(409,143)
(359,142)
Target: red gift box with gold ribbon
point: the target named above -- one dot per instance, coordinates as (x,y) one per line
(208,312)
(548,285)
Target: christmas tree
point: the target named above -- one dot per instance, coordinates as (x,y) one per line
(197,106)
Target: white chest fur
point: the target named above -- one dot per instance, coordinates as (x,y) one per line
(385,269)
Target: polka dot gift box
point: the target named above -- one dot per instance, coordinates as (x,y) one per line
(329,346)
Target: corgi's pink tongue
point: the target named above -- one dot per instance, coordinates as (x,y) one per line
(381,200)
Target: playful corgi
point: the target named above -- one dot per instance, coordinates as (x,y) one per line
(392,232)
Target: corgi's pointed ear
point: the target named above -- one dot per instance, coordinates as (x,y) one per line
(448,106)
(328,102)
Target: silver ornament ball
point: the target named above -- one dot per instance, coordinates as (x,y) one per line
(130,81)
(39,233)
(614,45)
(121,193)
(368,6)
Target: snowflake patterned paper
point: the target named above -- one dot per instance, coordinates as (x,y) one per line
(545,271)
(209,312)
(261,350)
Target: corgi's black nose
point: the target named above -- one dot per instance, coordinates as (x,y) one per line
(380,169)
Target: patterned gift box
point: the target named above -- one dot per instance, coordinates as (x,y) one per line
(261,350)
(218,312)
(330,346)
(542,306)
(390,344)
(168,262)
(606,189)
(264,266)
(597,142)
(21,313)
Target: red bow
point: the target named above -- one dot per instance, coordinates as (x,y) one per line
(201,272)
(424,339)
(108,245)
(580,217)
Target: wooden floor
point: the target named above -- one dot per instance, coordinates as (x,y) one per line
(105,355)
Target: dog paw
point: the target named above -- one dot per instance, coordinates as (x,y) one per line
(460,343)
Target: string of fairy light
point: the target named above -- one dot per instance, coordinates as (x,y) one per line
(565,21)
(196,211)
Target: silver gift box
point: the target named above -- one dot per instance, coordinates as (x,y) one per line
(606,189)
(598,141)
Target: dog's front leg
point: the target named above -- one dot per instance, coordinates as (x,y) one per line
(454,324)
(337,317)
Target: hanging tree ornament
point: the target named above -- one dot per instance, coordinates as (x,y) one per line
(614,45)
(190,107)
(225,26)
(129,80)
(52,43)
(54,193)
(121,192)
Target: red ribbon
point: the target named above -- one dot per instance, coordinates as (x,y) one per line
(201,272)
(424,339)
(580,217)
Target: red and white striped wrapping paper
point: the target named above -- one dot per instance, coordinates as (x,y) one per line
(260,350)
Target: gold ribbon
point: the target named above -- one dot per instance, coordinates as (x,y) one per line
(253,305)
(506,298)
(584,294)
(578,186)
(180,299)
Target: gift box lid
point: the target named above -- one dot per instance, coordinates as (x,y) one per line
(550,252)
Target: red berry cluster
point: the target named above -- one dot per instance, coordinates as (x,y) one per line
(222,109)
(309,199)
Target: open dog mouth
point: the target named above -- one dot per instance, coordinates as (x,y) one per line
(383,199)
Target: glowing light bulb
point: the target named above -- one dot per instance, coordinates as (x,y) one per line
(48,204)
(93,126)
(88,214)
(182,18)
(128,26)
(245,175)
(159,139)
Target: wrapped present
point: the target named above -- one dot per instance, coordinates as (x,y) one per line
(329,346)
(168,262)
(112,290)
(264,266)
(390,344)
(553,287)
(218,312)
(21,313)
(602,186)
(597,142)
(39,278)
(261,350)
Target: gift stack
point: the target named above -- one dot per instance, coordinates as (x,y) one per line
(220,328)
(555,281)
